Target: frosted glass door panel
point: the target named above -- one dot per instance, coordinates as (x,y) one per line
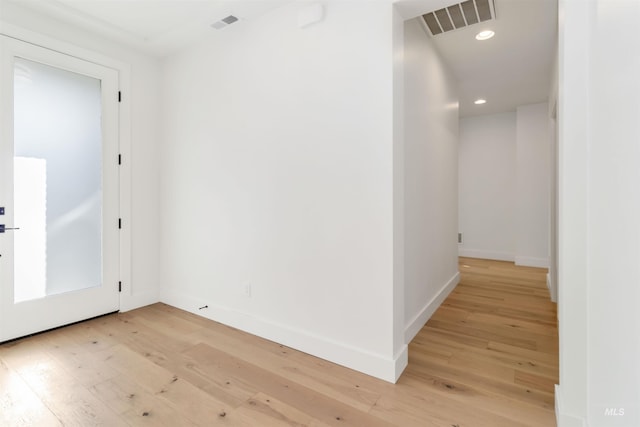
(57,181)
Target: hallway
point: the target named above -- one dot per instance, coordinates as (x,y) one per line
(489,355)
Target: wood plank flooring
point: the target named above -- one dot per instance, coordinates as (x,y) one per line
(487,357)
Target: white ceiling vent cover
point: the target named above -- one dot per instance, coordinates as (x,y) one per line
(218,25)
(460,15)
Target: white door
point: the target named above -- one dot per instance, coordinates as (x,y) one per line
(59,260)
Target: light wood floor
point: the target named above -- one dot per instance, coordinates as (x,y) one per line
(488,357)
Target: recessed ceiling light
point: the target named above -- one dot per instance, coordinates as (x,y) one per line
(485,35)
(480,101)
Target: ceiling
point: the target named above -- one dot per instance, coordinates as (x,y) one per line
(514,67)
(511,69)
(157,27)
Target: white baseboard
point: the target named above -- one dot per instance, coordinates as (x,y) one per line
(416,324)
(552,294)
(553,290)
(401,361)
(504,256)
(563,419)
(532,262)
(387,369)
(131,302)
(482,254)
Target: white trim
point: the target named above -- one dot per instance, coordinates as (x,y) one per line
(401,361)
(416,324)
(51,43)
(526,261)
(482,254)
(563,419)
(376,365)
(133,301)
(558,405)
(552,294)
(127,299)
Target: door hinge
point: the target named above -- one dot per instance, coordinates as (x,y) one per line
(119,159)
(119,286)
(119,223)
(119,96)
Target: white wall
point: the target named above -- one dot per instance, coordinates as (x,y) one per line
(278,174)
(533,173)
(141,163)
(599,207)
(613,266)
(399,341)
(552,276)
(504,170)
(487,186)
(431,178)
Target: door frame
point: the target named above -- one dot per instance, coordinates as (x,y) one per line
(127,300)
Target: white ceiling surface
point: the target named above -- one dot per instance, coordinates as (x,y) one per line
(511,69)
(157,27)
(514,67)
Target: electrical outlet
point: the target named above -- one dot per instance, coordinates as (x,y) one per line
(247,290)
(459,237)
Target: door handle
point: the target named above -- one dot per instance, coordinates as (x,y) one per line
(3,228)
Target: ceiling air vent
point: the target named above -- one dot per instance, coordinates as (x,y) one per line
(224,22)
(460,15)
